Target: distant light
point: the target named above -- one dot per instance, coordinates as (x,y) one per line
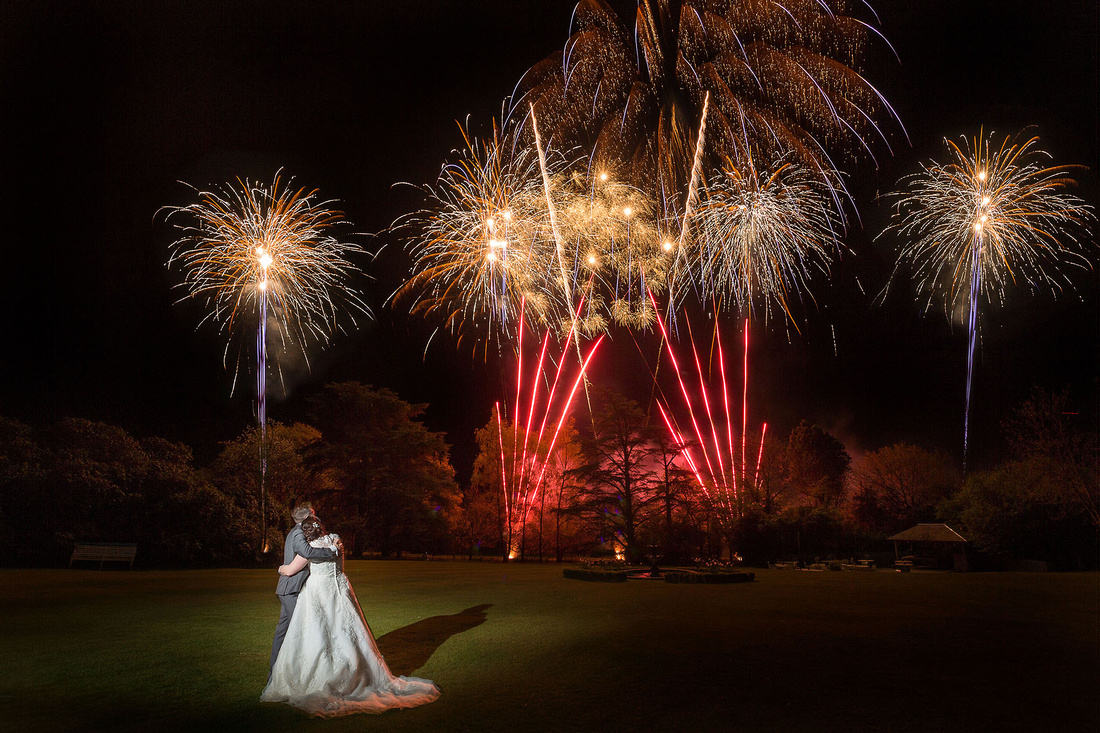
(603,176)
(627,211)
(592,259)
(265,260)
(507,216)
(985,201)
(667,246)
(981,175)
(490,223)
(977,226)
(492,256)
(263,285)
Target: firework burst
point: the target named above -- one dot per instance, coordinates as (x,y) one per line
(618,249)
(253,248)
(761,236)
(483,243)
(262,252)
(993,217)
(782,77)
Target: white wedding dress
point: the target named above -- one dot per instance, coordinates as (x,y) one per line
(329,664)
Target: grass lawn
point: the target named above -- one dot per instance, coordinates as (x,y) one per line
(520,648)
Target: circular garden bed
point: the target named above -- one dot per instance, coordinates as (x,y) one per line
(620,574)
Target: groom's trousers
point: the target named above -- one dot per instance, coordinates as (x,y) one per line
(288,602)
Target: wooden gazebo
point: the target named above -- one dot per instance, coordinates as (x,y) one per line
(935,538)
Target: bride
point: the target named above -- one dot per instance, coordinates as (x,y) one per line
(329,664)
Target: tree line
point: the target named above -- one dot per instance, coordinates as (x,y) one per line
(613,485)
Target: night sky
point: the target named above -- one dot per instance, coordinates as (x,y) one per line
(106,106)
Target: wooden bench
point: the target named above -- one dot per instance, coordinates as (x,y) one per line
(104,552)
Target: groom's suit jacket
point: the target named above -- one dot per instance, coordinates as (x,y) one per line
(296,545)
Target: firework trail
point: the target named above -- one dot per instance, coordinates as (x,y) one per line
(559,243)
(995,215)
(712,458)
(263,252)
(523,471)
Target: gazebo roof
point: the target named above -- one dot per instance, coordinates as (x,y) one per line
(930,532)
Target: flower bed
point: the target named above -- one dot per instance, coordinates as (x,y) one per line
(709,576)
(600,575)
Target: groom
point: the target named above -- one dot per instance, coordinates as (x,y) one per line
(290,586)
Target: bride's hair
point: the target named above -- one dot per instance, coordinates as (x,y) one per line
(313,529)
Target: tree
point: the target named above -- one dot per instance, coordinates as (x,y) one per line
(901,485)
(483,502)
(85,480)
(674,490)
(1044,430)
(531,471)
(619,485)
(22,463)
(817,466)
(288,480)
(1015,512)
(769,487)
(393,483)
(561,484)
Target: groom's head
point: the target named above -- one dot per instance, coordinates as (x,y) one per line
(301,513)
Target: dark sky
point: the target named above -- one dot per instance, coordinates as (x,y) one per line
(105,106)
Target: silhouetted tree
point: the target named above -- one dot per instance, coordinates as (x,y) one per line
(817,466)
(532,470)
(1008,513)
(901,485)
(81,480)
(619,482)
(394,486)
(674,490)
(1045,430)
(288,480)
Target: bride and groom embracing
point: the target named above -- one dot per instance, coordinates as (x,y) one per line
(324,659)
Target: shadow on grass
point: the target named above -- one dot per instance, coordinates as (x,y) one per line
(408,649)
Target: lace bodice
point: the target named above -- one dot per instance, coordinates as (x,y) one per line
(319,568)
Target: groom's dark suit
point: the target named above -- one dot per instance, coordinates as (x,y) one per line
(290,586)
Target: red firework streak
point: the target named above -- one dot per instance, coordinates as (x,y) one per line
(522,476)
(712,458)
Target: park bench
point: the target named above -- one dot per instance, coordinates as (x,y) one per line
(104,552)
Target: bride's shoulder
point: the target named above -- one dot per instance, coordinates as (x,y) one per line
(327,540)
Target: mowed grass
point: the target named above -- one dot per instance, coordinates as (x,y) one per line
(520,648)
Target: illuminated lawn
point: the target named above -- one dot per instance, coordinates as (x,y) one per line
(520,648)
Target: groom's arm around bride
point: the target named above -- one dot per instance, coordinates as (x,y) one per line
(290,586)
